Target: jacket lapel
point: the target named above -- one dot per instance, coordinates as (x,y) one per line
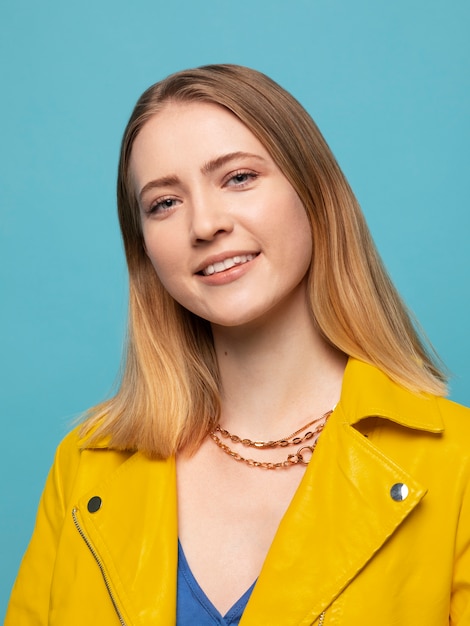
(134,534)
(342,513)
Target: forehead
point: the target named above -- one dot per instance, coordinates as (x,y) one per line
(194,129)
(175,112)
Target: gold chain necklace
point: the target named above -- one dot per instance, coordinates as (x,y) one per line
(283,442)
(291,440)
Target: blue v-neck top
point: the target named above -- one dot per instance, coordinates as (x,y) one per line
(194,607)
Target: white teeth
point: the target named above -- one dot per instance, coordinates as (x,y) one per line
(226,264)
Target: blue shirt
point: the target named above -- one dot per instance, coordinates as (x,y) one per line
(194,607)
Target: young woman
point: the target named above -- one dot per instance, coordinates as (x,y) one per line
(279,451)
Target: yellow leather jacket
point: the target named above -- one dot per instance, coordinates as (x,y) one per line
(378,533)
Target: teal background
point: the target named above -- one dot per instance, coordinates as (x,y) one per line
(388,84)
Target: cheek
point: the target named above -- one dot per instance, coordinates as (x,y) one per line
(301,238)
(162,256)
(168,263)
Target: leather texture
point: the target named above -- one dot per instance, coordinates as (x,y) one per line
(345,547)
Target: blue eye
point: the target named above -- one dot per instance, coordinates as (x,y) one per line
(239,179)
(163,205)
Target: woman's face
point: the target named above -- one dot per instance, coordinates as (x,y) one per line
(223,228)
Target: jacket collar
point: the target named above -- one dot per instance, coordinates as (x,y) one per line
(367,391)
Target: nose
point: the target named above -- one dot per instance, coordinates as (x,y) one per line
(209,218)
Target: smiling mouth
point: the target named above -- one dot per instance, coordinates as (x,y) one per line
(226,264)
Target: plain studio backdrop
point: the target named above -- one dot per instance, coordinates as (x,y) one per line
(388,84)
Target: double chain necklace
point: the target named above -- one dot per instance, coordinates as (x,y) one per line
(302,456)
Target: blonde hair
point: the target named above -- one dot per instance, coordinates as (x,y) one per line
(168,398)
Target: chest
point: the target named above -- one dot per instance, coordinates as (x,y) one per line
(227,519)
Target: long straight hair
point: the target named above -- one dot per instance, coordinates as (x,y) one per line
(168,397)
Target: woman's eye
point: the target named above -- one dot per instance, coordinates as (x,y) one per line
(239,179)
(161,206)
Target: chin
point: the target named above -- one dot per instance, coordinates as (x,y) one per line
(247,320)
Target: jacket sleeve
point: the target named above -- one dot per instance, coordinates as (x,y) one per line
(460,603)
(29,601)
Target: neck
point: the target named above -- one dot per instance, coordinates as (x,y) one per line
(276,375)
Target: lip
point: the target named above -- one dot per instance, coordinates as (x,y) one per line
(229,275)
(223,256)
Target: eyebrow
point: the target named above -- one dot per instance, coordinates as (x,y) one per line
(207,168)
(215,164)
(165,181)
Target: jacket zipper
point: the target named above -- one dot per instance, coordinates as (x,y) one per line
(100,565)
(321,621)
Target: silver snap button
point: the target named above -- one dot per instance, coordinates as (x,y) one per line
(399,492)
